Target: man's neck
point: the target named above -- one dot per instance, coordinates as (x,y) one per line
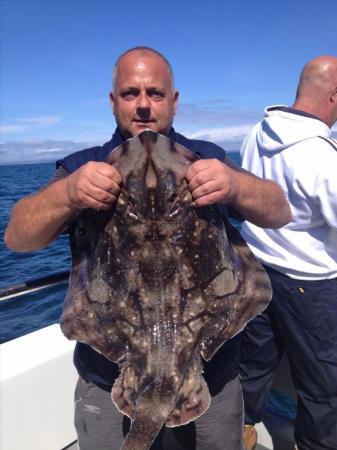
(316,111)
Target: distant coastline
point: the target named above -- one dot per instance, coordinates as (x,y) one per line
(50,161)
(26,163)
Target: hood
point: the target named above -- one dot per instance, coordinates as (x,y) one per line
(284,126)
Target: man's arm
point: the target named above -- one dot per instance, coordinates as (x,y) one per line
(259,201)
(37,220)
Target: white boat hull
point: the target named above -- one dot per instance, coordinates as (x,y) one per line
(37,390)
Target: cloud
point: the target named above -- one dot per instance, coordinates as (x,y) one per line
(38,151)
(231,137)
(216,121)
(18,125)
(4,129)
(214,112)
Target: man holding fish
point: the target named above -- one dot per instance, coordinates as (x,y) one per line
(144,97)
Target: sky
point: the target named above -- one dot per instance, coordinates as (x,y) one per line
(231,59)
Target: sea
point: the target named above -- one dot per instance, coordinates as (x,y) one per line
(30,312)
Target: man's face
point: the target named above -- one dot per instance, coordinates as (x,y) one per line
(143,96)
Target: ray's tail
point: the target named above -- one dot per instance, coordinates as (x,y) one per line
(151,412)
(160,400)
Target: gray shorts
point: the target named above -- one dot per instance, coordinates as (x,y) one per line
(100,426)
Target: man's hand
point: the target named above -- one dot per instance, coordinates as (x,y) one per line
(210,181)
(94,185)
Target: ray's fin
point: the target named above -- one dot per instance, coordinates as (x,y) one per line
(194,399)
(250,293)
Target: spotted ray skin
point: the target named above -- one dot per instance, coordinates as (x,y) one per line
(157,283)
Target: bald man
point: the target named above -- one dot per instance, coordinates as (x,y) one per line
(293,146)
(144,97)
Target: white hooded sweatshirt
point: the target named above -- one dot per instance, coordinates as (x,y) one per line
(295,150)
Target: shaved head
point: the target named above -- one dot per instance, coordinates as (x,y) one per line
(142,51)
(317,88)
(319,75)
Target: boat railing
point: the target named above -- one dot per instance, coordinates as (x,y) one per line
(33,285)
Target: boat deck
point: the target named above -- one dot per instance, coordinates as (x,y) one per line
(74,447)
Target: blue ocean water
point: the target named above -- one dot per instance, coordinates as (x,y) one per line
(27,313)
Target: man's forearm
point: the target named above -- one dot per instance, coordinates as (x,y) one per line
(261,202)
(38,219)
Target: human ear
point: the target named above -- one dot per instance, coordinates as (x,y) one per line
(175,101)
(111,99)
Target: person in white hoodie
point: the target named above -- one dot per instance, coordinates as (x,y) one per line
(293,146)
